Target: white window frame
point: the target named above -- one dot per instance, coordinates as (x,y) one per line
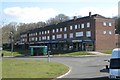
(79,34)
(104,32)
(53,37)
(88,24)
(48,31)
(76,26)
(57,30)
(110,32)
(71,35)
(88,33)
(65,36)
(53,30)
(71,27)
(110,24)
(65,28)
(48,37)
(59,36)
(60,29)
(82,25)
(104,24)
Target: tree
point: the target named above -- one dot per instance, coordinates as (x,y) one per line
(59,18)
(117,24)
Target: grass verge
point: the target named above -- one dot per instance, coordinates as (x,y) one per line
(9,53)
(75,54)
(14,68)
(107,51)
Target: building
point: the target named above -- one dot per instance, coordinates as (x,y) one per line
(93,32)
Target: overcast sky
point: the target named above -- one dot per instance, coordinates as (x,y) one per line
(41,10)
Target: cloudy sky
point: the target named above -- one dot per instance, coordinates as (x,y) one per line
(41,10)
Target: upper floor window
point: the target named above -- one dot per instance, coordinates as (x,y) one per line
(104,23)
(48,37)
(79,26)
(65,28)
(88,24)
(104,32)
(82,25)
(110,24)
(53,37)
(60,29)
(39,38)
(42,32)
(71,27)
(39,32)
(110,32)
(71,35)
(59,35)
(45,32)
(76,26)
(79,34)
(48,31)
(65,36)
(88,34)
(53,30)
(57,30)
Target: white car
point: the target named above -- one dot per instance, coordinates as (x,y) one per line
(114,70)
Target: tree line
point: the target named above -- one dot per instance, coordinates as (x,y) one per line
(18,28)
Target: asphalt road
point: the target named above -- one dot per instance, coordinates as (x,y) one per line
(86,68)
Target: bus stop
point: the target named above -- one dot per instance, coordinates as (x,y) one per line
(38,50)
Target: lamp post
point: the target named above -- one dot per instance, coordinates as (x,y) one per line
(11,38)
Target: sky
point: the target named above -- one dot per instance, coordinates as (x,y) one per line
(30,11)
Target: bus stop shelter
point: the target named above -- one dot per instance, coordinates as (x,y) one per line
(38,50)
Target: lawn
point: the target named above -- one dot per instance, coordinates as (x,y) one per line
(9,53)
(14,68)
(75,53)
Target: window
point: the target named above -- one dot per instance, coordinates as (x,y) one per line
(45,32)
(53,30)
(79,26)
(65,29)
(48,31)
(88,24)
(59,35)
(35,38)
(104,32)
(76,27)
(104,23)
(110,24)
(71,27)
(82,25)
(79,34)
(39,38)
(48,37)
(115,63)
(32,38)
(36,33)
(65,36)
(60,29)
(71,35)
(53,37)
(57,30)
(42,32)
(88,34)
(110,32)
(39,33)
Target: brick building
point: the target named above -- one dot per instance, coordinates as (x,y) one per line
(93,32)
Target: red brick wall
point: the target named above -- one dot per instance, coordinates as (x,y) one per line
(104,41)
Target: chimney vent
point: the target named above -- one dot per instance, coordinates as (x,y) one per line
(89,14)
(75,17)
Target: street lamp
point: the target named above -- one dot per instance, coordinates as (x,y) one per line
(12,40)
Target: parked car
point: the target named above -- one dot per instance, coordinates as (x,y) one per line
(114,69)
